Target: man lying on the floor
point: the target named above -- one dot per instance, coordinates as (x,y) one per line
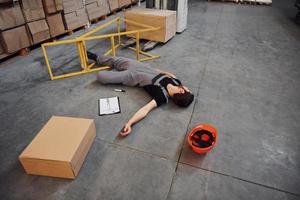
(158,84)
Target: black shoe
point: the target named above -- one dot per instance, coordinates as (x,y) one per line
(92,56)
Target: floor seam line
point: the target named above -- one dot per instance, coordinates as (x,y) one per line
(240,179)
(198,91)
(134,149)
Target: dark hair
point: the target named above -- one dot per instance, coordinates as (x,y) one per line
(183,100)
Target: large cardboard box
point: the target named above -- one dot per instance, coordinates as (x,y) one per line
(97,9)
(113,5)
(60,148)
(56,24)
(72,5)
(52,6)
(39,31)
(75,19)
(33,10)
(164,19)
(15,39)
(11,17)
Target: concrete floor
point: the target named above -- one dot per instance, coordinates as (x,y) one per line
(243,64)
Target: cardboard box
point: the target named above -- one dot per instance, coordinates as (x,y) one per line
(72,5)
(56,24)
(60,148)
(82,17)
(52,6)
(11,17)
(33,10)
(39,31)
(49,6)
(71,21)
(165,19)
(124,3)
(75,19)
(15,39)
(113,5)
(97,9)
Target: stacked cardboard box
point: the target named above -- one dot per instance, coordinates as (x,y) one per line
(113,5)
(52,6)
(35,17)
(124,3)
(14,35)
(11,17)
(39,31)
(72,5)
(74,14)
(15,39)
(96,8)
(56,24)
(33,10)
(53,9)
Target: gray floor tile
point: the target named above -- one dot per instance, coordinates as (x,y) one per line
(193,183)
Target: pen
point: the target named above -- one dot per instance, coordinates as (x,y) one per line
(119,90)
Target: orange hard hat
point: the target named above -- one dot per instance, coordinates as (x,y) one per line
(202,138)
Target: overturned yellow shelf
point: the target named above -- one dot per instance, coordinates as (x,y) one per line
(81,47)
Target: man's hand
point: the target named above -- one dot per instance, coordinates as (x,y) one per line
(126,130)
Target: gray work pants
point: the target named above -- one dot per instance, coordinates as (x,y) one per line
(125,71)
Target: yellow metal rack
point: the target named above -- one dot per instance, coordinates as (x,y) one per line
(81,46)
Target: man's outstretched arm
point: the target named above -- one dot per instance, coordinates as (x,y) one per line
(138,116)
